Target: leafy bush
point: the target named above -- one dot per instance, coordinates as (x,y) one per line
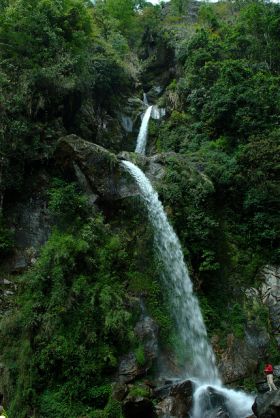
(73,322)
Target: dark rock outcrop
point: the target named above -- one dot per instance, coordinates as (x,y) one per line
(99,167)
(175,399)
(241,357)
(214,404)
(138,407)
(129,369)
(267,405)
(146,331)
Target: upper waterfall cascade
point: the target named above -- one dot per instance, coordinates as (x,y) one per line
(143,133)
(145,99)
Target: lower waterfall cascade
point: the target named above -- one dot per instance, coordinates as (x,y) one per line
(186,311)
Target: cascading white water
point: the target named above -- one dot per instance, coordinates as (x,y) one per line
(143,133)
(158,112)
(187,314)
(237,403)
(145,99)
(183,303)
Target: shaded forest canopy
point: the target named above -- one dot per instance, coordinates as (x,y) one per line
(69,67)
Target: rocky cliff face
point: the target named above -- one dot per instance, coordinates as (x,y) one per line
(270,293)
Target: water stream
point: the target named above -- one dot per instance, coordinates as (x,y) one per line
(200,360)
(183,303)
(145,99)
(143,133)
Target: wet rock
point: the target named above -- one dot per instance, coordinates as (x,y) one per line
(175,399)
(210,403)
(129,369)
(241,357)
(147,332)
(217,403)
(170,407)
(262,386)
(267,405)
(183,389)
(31,222)
(276,371)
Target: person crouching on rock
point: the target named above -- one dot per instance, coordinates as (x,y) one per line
(268,370)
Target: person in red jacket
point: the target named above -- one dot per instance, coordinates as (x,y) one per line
(268,370)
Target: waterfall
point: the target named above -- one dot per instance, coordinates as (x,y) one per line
(183,303)
(145,99)
(143,133)
(210,397)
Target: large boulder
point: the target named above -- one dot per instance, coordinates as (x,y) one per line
(100,168)
(241,357)
(212,404)
(130,369)
(267,405)
(100,172)
(175,399)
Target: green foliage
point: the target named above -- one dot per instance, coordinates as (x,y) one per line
(66,204)
(140,355)
(249,385)
(210,315)
(187,193)
(236,318)
(139,390)
(273,352)
(72,322)
(224,123)
(6,238)
(66,66)
(57,73)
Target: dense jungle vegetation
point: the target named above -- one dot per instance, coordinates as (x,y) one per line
(66,66)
